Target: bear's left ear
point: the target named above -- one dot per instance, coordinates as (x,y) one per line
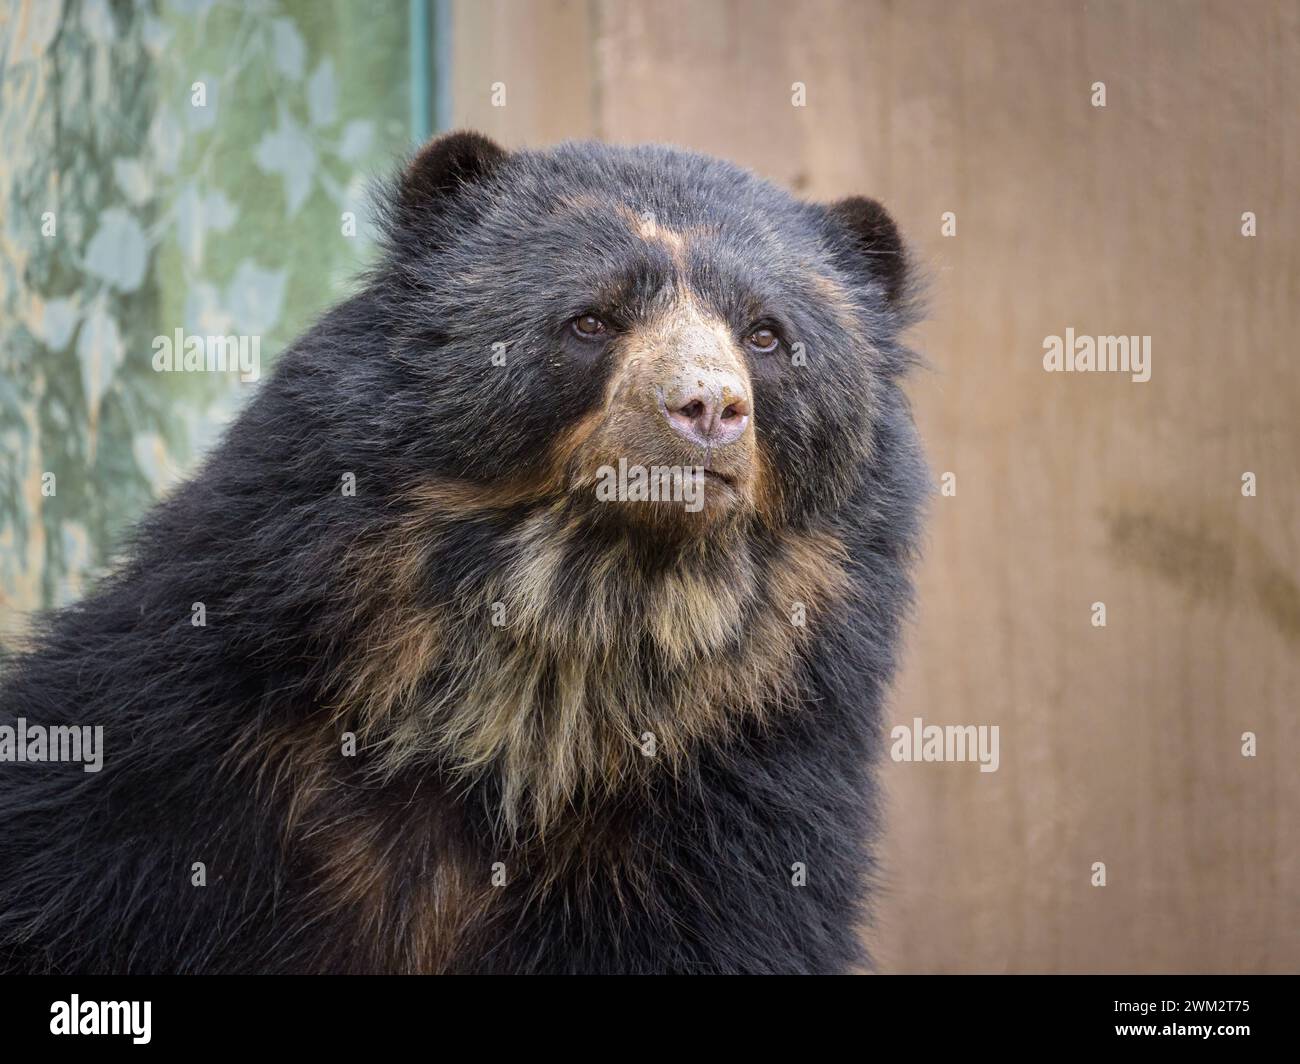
(446,165)
(869,243)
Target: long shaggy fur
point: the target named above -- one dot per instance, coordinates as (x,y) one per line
(620,776)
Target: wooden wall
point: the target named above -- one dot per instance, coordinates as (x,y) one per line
(1119,744)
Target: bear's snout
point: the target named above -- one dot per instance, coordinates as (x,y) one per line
(708,409)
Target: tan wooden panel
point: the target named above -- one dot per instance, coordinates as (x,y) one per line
(541,54)
(1119,744)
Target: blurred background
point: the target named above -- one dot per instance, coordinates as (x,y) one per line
(126,210)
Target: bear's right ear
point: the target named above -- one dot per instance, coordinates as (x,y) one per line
(870,244)
(445,165)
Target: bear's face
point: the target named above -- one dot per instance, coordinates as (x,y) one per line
(661,338)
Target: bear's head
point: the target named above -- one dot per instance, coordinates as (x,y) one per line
(664,339)
(637,413)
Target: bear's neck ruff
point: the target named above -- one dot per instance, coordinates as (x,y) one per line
(576,663)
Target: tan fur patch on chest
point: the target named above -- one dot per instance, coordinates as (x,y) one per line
(593,673)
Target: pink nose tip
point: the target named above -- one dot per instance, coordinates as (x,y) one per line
(710,420)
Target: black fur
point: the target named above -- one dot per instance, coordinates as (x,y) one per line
(394,386)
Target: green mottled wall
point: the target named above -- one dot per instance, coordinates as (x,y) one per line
(126,212)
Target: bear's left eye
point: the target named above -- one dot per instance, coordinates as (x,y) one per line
(764,340)
(588,326)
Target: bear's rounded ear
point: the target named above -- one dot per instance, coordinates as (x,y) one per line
(870,243)
(446,164)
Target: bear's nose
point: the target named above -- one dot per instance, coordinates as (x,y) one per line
(712,410)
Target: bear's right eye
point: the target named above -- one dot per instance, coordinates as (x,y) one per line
(763,339)
(588,326)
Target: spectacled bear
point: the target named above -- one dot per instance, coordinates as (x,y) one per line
(479,687)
